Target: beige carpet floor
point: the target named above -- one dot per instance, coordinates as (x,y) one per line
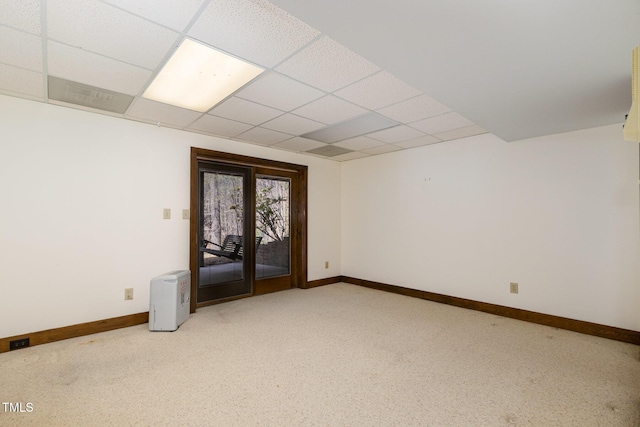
(337,355)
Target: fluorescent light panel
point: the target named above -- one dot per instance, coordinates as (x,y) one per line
(358,126)
(197,77)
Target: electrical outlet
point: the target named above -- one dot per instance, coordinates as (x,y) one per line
(513,287)
(326,264)
(17,344)
(185,213)
(128,293)
(166,213)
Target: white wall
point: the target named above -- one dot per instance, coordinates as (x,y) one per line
(81,213)
(558,214)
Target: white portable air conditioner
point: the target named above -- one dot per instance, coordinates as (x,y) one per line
(170,298)
(631,129)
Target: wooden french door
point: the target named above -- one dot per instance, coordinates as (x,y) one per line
(224,223)
(275,225)
(248,226)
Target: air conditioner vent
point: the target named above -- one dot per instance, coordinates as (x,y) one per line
(88,96)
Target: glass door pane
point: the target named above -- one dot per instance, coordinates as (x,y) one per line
(222,271)
(273,216)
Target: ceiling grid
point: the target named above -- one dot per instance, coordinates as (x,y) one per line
(310,83)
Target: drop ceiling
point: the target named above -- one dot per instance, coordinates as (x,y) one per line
(439,71)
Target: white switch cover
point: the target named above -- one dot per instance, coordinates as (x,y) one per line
(166,213)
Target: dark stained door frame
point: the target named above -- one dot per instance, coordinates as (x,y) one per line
(298,212)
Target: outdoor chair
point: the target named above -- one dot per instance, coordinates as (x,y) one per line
(230,248)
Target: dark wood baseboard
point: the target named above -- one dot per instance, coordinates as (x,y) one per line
(73,331)
(322,282)
(610,332)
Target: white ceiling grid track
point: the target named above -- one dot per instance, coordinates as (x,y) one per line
(311,82)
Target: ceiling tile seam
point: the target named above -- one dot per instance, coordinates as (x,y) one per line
(23,95)
(205,133)
(284,113)
(205,4)
(99,54)
(259,124)
(325,93)
(187,127)
(419,137)
(395,142)
(275,130)
(193,19)
(344,100)
(309,43)
(409,99)
(20,30)
(359,80)
(234,93)
(298,116)
(425,134)
(208,112)
(160,123)
(20,67)
(433,117)
(333,91)
(320,36)
(246,123)
(367,108)
(152,122)
(267,72)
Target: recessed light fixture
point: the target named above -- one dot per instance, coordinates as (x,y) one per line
(361,125)
(197,77)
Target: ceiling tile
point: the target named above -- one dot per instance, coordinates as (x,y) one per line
(442,123)
(264,136)
(219,126)
(382,149)
(418,142)
(245,111)
(329,110)
(277,91)
(175,14)
(327,65)
(20,49)
(377,91)
(292,124)
(359,143)
(23,15)
(396,134)
(165,114)
(299,144)
(256,30)
(88,68)
(414,109)
(108,31)
(15,81)
(460,133)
